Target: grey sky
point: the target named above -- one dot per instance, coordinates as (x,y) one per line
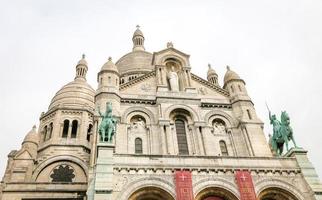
(275,46)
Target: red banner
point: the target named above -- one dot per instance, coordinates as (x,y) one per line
(245,185)
(183,185)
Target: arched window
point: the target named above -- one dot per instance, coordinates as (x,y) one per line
(74,128)
(240,88)
(50,131)
(223,148)
(45,133)
(232,88)
(89,132)
(249,115)
(181,137)
(65,129)
(138,146)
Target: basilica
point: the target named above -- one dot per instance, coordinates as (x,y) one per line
(153,130)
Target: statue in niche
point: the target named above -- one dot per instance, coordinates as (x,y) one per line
(139,124)
(173,80)
(219,127)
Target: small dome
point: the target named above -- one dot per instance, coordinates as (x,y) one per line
(138,32)
(32,136)
(82,61)
(109,65)
(76,94)
(230,75)
(135,61)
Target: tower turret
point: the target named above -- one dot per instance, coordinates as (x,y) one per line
(138,40)
(108,85)
(212,76)
(30,143)
(243,107)
(234,84)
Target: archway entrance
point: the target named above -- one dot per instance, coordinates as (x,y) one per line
(151,193)
(276,194)
(213,198)
(215,193)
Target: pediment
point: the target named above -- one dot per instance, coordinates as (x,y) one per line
(160,57)
(208,90)
(143,85)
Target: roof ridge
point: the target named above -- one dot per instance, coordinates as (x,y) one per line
(215,87)
(137,80)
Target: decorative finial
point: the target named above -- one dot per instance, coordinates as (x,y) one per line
(110,58)
(209,65)
(137,26)
(228,68)
(169,45)
(83,56)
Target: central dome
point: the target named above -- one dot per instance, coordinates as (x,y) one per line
(135,61)
(138,61)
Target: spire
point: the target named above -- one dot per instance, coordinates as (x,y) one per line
(81,69)
(138,40)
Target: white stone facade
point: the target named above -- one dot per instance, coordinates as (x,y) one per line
(182,122)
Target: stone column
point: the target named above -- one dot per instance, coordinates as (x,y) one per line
(70,129)
(191,138)
(94,139)
(164,76)
(229,132)
(175,140)
(163,140)
(159,75)
(149,139)
(189,77)
(200,140)
(169,137)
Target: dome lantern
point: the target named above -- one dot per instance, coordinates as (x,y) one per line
(81,69)
(212,76)
(138,40)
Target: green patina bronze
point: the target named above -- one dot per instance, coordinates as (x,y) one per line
(282,132)
(107,127)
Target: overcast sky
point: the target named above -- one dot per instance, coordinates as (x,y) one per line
(275,46)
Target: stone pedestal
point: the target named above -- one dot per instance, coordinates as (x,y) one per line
(307,170)
(102,185)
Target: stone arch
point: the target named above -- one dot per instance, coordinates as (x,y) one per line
(229,120)
(146,182)
(173,56)
(48,162)
(209,186)
(278,185)
(193,113)
(137,110)
(154,193)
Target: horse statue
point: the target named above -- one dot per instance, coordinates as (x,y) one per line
(107,127)
(282,133)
